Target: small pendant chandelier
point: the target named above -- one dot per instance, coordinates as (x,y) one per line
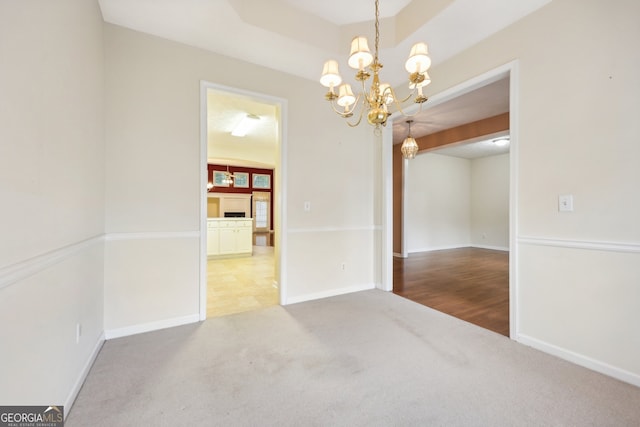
(377,99)
(409,145)
(228,177)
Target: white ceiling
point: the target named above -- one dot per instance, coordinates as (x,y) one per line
(486,101)
(341,12)
(257,148)
(476,148)
(266,32)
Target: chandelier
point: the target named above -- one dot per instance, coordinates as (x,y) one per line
(409,147)
(228,177)
(226,180)
(377,99)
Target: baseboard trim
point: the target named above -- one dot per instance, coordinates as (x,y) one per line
(493,248)
(330,293)
(151,326)
(21,270)
(582,360)
(332,229)
(71,398)
(438,248)
(444,248)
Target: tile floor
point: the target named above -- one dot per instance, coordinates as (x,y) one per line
(235,285)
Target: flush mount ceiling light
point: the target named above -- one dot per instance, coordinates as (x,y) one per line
(379,96)
(501,142)
(409,145)
(244,126)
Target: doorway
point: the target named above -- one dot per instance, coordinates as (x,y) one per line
(509,72)
(232,168)
(458,234)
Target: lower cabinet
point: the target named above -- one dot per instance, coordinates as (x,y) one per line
(229,236)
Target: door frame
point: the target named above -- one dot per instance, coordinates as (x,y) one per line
(509,70)
(279,202)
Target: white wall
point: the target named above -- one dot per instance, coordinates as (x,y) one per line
(490,202)
(575,132)
(438,202)
(453,202)
(153,181)
(52,192)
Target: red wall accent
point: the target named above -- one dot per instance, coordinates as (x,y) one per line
(250,190)
(234,169)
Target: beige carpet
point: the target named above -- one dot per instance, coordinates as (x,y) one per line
(365,359)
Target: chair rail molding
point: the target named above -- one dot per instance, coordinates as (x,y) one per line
(149,235)
(14,273)
(581,244)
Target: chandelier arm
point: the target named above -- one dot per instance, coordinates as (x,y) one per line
(359,119)
(363,92)
(350,113)
(395,98)
(399,107)
(413,92)
(338,112)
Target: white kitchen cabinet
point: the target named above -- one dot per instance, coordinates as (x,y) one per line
(213,238)
(229,237)
(244,241)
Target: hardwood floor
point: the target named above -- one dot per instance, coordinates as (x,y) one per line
(471,284)
(241,284)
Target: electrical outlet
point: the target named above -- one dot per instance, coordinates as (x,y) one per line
(343,266)
(307,206)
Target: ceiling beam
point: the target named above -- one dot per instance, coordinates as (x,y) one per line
(464,132)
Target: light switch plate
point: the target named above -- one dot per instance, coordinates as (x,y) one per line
(565,203)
